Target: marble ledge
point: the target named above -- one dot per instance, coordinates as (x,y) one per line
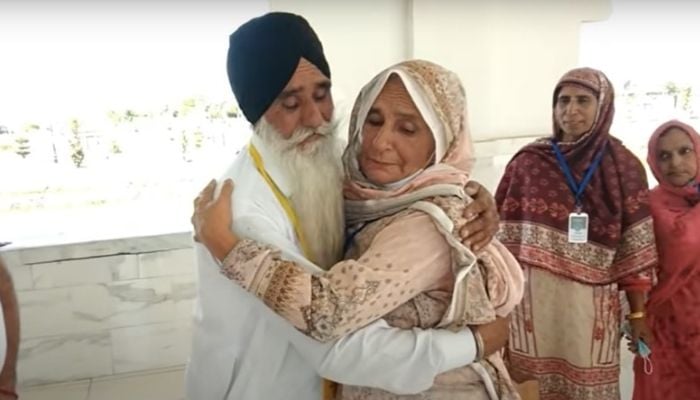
(28,253)
(84,271)
(107,269)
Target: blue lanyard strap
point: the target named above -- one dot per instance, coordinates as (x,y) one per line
(350,235)
(352,231)
(577,189)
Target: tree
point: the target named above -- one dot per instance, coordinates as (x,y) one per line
(129,115)
(214,111)
(682,95)
(232,111)
(114,117)
(22,143)
(117,120)
(187,106)
(76,146)
(198,138)
(184,145)
(116,149)
(31,127)
(22,148)
(672,90)
(686,97)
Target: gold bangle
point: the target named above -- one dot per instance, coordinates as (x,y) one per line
(636,315)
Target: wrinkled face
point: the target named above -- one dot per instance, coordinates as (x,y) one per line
(575,111)
(304,104)
(676,157)
(396,141)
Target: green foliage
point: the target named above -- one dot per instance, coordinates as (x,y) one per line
(22,146)
(198,138)
(187,106)
(214,111)
(74,126)
(115,148)
(184,144)
(76,146)
(114,117)
(232,111)
(686,98)
(30,127)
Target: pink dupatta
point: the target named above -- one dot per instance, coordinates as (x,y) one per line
(676,223)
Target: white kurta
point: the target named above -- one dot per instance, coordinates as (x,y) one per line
(241,350)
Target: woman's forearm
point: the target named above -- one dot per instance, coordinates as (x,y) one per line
(220,245)
(636,299)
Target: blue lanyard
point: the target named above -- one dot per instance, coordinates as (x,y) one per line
(350,235)
(577,189)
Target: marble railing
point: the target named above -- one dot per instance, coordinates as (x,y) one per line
(101,308)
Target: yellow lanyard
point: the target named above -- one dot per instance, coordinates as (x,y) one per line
(281,198)
(329,388)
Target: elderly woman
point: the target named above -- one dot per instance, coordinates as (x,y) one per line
(406,165)
(674,317)
(575,213)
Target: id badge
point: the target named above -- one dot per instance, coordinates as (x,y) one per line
(578,227)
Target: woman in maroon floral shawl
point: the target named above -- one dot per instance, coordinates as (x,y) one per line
(566,332)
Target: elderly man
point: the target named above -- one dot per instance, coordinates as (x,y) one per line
(9,335)
(288,194)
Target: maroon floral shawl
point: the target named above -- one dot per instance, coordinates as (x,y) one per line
(535,201)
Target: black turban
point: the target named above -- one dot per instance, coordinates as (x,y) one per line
(263,55)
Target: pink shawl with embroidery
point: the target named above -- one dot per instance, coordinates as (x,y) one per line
(440,97)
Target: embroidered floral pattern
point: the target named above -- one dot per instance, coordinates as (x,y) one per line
(341,298)
(547,248)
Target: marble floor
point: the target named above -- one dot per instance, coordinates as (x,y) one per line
(160,385)
(167,384)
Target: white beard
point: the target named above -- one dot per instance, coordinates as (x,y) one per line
(316,176)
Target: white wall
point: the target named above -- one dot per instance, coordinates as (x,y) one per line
(509,53)
(360,38)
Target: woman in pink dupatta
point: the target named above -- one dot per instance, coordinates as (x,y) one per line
(674,305)
(406,263)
